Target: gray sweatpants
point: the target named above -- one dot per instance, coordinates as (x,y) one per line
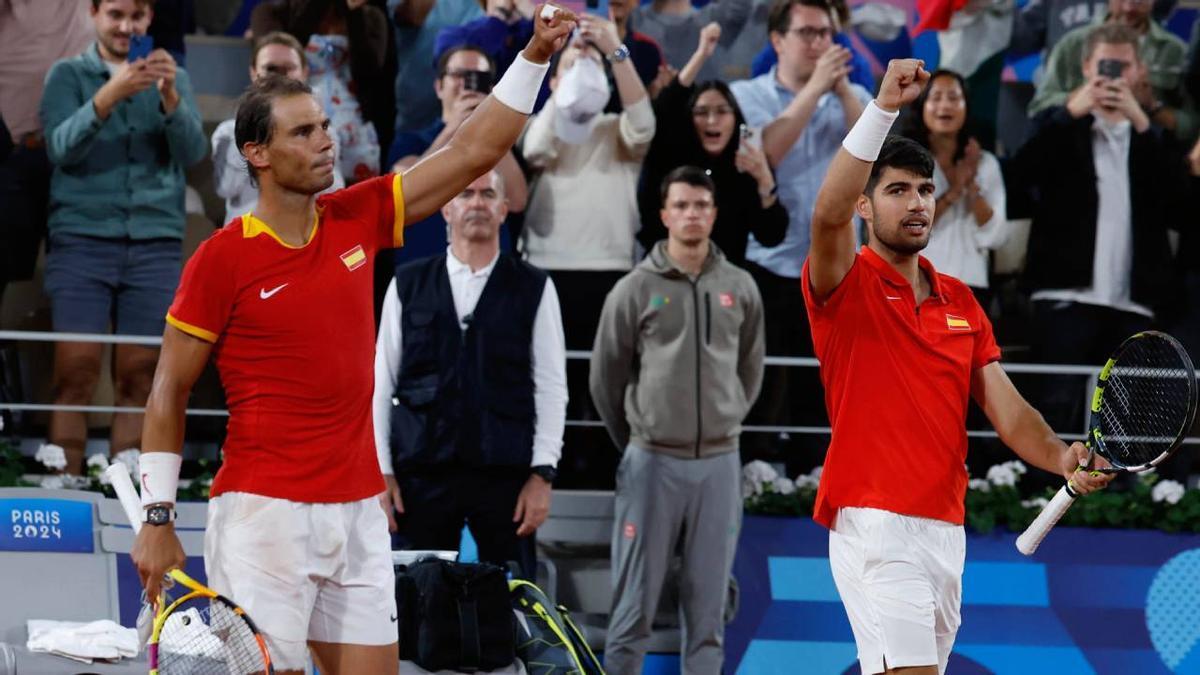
(665,504)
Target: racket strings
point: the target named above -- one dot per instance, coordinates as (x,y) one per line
(1146,402)
(203,637)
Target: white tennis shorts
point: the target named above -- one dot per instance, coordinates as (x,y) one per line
(303,571)
(900,578)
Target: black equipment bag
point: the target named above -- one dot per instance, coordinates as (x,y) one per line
(455,616)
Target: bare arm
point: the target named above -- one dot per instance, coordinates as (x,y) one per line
(781,134)
(475,148)
(1025,431)
(182,360)
(851,106)
(483,139)
(831,253)
(156,549)
(709,36)
(604,34)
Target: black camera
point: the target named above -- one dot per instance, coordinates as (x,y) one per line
(477,80)
(1110,68)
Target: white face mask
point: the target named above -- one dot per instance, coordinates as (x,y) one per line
(583,89)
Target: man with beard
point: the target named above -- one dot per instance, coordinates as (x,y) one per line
(281,298)
(902,349)
(470,390)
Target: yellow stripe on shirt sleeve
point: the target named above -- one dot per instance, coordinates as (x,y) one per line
(398,211)
(194,331)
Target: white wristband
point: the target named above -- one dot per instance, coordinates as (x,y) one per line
(159,476)
(519,87)
(866,138)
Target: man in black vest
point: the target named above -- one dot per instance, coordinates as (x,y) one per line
(470,389)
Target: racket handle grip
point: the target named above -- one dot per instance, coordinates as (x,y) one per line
(1033,535)
(118,475)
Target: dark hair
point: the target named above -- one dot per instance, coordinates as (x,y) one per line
(914,126)
(254,122)
(780,18)
(692,175)
(277,38)
(903,153)
(1110,34)
(739,119)
(140,3)
(443,61)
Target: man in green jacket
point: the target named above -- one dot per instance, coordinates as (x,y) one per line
(677,363)
(119,133)
(1164,55)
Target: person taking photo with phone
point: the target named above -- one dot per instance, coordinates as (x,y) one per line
(1159,92)
(465,75)
(120,130)
(1102,184)
(703,126)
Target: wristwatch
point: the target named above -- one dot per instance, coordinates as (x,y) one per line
(619,55)
(546,472)
(159,514)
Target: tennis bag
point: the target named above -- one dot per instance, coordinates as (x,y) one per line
(462,614)
(548,641)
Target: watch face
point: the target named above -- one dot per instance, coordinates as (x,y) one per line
(158,515)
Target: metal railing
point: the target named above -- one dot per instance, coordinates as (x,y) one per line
(1091,372)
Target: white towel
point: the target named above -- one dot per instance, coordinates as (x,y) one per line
(82,641)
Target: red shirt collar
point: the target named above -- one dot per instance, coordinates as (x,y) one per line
(889,273)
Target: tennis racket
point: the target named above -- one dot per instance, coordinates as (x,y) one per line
(1142,408)
(201,632)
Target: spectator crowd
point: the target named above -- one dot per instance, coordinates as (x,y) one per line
(674,156)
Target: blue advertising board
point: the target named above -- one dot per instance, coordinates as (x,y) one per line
(46,525)
(1089,601)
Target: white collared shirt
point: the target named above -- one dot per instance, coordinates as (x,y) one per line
(547,356)
(1112,262)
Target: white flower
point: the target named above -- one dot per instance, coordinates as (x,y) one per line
(54,482)
(806,482)
(816,472)
(759,471)
(783,486)
(1018,466)
(75,482)
(1038,503)
(52,456)
(130,459)
(1169,491)
(979,484)
(1002,474)
(750,488)
(97,461)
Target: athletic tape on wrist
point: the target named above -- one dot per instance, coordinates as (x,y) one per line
(159,476)
(866,138)
(519,87)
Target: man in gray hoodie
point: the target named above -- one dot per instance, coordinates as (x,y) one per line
(677,363)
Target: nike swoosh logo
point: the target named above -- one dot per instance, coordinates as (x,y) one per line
(264,293)
(892,297)
(392,618)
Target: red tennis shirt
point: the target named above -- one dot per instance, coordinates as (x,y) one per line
(294,343)
(897,382)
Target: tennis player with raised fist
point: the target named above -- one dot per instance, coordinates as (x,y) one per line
(281,299)
(902,350)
